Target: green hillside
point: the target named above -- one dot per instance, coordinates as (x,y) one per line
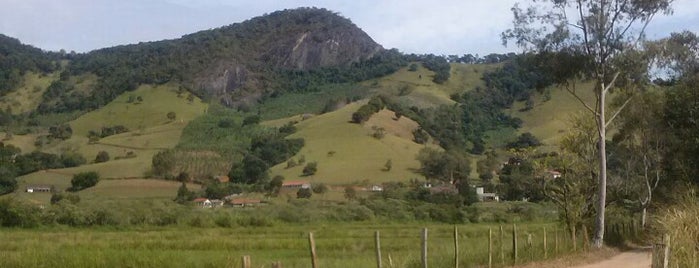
(347,153)
(27,96)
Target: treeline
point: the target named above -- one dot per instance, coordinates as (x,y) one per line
(69,210)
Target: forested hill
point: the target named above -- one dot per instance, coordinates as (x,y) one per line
(235,63)
(16,59)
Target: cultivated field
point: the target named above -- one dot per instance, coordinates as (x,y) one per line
(337,245)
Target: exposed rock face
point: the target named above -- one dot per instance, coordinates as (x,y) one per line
(299,39)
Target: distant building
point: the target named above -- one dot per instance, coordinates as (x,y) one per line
(296,185)
(377,188)
(43,188)
(486,197)
(203,202)
(245,202)
(553,174)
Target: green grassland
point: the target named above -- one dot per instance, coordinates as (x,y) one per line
(150,132)
(337,245)
(347,153)
(415,88)
(28,96)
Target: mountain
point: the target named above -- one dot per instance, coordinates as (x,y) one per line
(238,63)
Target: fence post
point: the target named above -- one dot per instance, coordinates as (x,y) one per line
(530,246)
(545,245)
(312,245)
(555,241)
(490,247)
(502,246)
(575,239)
(277,264)
(246,261)
(514,244)
(456,247)
(377,241)
(424,247)
(666,253)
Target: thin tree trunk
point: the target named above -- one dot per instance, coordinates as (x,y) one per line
(643,217)
(602,185)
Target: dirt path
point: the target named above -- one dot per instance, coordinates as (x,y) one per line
(630,259)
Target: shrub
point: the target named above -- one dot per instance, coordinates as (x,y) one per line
(101,157)
(171,116)
(84,180)
(304,193)
(310,169)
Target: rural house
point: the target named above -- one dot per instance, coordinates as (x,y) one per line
(296,185)
(486,197)
(202,202)
(43,188)
(245,202)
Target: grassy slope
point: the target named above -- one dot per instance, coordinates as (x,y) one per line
(358,156)
(27,97)
(150,133)
(425,93)
(548,120)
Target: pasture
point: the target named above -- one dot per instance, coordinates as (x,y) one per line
(337,245)
(347,153)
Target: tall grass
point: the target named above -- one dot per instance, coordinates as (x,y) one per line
(681,222)
(338,245)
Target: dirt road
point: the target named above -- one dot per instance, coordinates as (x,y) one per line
(629,259)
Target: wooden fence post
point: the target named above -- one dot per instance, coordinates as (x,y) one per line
(530,246)
(502,246)
(586,238)
(246,261)
(666,254)
(514,244)
(456,247)
(556,240)
(277,264)
(546,248)
(312,245)
(424,248)
(377,241)
(575,240)
(490,247)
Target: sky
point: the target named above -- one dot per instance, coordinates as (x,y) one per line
(442,27)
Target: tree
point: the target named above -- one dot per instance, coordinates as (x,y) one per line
(251,120)
(446,166)
(310,169)
(304,193)
(350,193)
(171,116)
(598,42)
(84,180)
(388,165)
(320,188)
(101,157)
(276,184)
(183,194)
(643,135)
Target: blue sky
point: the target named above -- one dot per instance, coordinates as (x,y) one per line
(437,26)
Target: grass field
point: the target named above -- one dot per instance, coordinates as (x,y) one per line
(337,245)
(417,89)
(28,96)
(347,153)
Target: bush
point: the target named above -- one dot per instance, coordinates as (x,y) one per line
(171,116)
(102,157)
(310,169)
(304,193)
(84,180)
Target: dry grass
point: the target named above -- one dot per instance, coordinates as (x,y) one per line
(680,223)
